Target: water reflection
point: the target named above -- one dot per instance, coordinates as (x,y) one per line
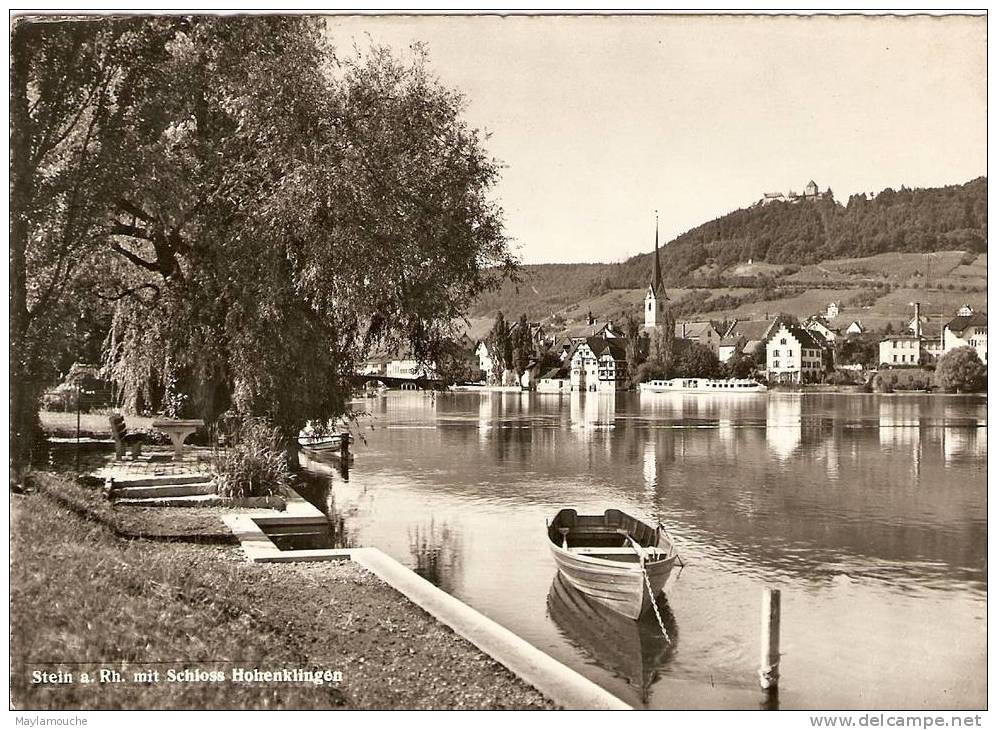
(869,511)
(436,552)
(636,650)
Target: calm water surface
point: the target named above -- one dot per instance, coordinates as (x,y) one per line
(869,512)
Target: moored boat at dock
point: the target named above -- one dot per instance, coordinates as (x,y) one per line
(703,385)
(613,558)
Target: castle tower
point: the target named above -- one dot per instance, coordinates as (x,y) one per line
(655,298)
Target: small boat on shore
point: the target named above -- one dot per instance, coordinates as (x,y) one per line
(703,385)
(322,442)
(607,556)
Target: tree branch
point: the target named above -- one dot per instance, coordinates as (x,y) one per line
(128,292)
(135,259)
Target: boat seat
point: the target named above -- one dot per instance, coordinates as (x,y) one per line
(611,550)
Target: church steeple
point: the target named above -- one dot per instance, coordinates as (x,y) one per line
(656,285)
(654,300)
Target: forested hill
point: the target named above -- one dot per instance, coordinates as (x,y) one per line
(905,220)
(777,238)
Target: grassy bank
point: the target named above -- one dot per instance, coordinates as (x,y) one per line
(82,599)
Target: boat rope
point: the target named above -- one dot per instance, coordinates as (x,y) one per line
(654,604)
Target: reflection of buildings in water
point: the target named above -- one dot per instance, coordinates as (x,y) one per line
(436,551)
(783,424)
(591,412)
(964,441)
(900,431)
(725,431)
(832,457)
(650,464)
(485,415)
(661,404)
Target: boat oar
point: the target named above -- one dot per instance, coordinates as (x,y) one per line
(633,543)
(564,536)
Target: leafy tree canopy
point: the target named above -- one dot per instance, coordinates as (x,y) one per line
(960,370)
(264,211)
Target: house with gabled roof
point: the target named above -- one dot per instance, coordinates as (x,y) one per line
(969,329)
(818,324)
(598,364)
(554,380)
(794,355)
(703,333)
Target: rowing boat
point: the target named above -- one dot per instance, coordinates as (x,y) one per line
(612,558)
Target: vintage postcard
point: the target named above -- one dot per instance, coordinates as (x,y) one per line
(425,361)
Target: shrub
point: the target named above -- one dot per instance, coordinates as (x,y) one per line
(840,377)
(960,370)
(256,465)
(881,384)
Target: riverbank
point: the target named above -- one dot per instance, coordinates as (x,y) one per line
(83,599)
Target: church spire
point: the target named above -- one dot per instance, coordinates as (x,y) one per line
(656,286)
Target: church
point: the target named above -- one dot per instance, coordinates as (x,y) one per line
(655,300)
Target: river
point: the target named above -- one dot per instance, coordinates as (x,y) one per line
(867,511)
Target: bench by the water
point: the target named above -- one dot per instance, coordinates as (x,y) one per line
(123,439)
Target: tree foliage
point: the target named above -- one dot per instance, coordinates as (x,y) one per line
(696,361)
(275,211)
(72,92)
(960,370)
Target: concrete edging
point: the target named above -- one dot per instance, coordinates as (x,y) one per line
(560,683)
(555,680)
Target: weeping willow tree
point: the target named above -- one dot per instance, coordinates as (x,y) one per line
(287,211)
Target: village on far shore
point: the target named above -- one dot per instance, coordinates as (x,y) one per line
(823,348)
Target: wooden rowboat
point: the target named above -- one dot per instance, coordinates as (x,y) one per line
(321,442)
(607,557)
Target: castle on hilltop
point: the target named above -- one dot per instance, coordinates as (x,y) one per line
(810,192)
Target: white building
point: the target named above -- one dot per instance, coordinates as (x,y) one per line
(730,347)
(485,361)
(967,330)
(412,369)
(598,365)
(554,381)
(833,310)
(855,328)
(793,356)
(818,325)
(900,350)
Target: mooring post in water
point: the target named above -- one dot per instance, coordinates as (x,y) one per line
(344,445)
(768,673)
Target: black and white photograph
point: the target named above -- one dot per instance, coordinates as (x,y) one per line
(498,360)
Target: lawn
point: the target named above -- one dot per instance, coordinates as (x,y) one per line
(82,599)
(61,423)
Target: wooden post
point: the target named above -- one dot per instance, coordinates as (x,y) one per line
(76,457)
(768,673)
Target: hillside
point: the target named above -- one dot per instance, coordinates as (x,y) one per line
(877,254)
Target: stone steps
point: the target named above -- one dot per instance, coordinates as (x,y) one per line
(159,479)
(159,491)
(195,500)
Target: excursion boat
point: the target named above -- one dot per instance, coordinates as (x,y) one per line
(607,556)
(703,385)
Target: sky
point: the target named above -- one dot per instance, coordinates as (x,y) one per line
(601,120)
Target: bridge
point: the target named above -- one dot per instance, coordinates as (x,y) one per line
(394,381)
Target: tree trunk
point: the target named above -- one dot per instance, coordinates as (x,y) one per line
(23,391)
